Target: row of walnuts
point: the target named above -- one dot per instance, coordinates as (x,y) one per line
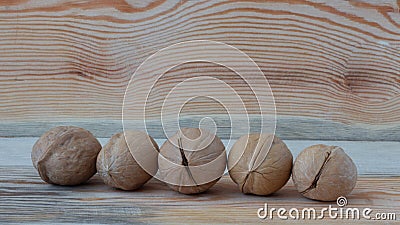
(192,161)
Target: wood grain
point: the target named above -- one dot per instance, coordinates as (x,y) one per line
(24,198)
(334,66)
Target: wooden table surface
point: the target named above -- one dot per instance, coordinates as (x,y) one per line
(25,198)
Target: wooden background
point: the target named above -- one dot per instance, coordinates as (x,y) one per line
(334,66)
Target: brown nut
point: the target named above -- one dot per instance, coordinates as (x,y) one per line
(192,161)
(66,155)
(260,163)
(128,161)
(324,173)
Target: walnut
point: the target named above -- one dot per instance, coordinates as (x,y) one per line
(192,160)
(324,173)
(66,155)
(128,161)
(260,163)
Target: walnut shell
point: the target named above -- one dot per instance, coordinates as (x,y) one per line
(128,161)
(192,160)
(66,155)
(324,173)
(260,163)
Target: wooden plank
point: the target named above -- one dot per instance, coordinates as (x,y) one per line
(289,128)
(334,67)
(371,158)
(24,198)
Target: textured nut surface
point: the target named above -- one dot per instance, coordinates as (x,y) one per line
(324,173)
(190,166)
(260,163)
(118,165)
(66,155)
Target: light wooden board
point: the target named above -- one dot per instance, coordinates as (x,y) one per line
(371,158)
(290,128)
(25,199)
(334,66)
